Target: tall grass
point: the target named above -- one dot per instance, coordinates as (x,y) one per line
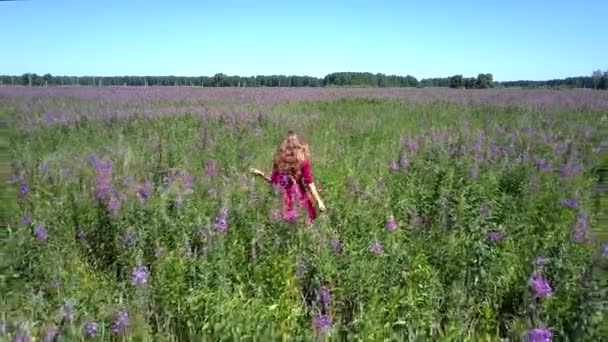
(481,200)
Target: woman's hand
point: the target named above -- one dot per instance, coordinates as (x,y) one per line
(322,207)
(256,172)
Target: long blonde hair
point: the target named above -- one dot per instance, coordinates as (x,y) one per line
(290,154)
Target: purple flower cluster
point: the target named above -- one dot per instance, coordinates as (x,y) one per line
(51,335)
(23,190)
(539,335)
(221,221)
(404,163)
(376,248)
(121,323)
(144,191)
(391,225)
(81,235)
(544,165)
(570,203)
(27,220)
(540,286)
(540,261)
(210,168)
(113,205)
(322,322)
(40,232)
(184,181)
(336,246)
(495,236)
(103,178)
(324,296)
(90,329)
(139,277)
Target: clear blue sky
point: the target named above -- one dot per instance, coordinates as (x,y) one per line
(512,39)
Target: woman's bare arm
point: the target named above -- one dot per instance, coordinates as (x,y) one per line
(261,174)
(315,194)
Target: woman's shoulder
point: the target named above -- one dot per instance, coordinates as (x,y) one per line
(305,163)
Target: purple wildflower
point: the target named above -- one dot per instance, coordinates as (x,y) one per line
(139,275)
(404,163)
(570,203)
(23,190)
(21,338)
(412,145)
(188,183)
(40,232)
(391,225)
(539,335)
(495,236)
(121,323)
(211,168)
(393,166)
(541,261)
(605,250)
(51,335)
(565,170)
(544,165)
(27,220)
(90,329)
(113,205)
(322,322)
(221,221)
(336,246)
(376,248)
(324,296)
(81,235)
(494,149)
(144,191)
(540,286)
(103,186)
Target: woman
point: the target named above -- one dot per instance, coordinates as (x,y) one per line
(292,174)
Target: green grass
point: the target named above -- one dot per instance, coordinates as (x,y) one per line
(441,279)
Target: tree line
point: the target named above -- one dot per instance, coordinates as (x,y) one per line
(598,80)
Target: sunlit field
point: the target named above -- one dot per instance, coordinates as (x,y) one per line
(454,215)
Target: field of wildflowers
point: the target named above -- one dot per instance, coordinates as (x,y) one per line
(452,215)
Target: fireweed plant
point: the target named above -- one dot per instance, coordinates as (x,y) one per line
(452,215)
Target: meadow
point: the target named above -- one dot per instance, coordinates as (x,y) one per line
(453,215)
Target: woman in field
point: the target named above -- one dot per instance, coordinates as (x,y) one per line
(292,174)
